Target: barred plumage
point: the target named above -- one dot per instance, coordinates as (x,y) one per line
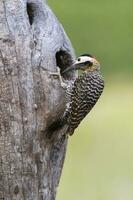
(86,90)
(82,95)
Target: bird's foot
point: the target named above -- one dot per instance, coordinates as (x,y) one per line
(58,74)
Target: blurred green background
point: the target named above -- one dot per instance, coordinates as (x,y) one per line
(99,161)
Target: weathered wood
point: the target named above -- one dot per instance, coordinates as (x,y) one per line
(32,43)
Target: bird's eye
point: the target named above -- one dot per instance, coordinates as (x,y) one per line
(79,59)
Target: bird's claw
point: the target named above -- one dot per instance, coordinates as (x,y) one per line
(63,85)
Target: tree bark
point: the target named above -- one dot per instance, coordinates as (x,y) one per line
(32,44)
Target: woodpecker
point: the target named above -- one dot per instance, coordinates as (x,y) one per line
(84,92)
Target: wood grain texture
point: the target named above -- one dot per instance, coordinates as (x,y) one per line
(31,99)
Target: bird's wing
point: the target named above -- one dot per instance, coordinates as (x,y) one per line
(78,106)
(85,93)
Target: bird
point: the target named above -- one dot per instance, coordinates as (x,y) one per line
(84,92)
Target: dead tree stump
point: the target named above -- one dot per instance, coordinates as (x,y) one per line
(32,44)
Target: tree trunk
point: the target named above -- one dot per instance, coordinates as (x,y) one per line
(32,44)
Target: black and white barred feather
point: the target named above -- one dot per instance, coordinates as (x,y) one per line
(81,96)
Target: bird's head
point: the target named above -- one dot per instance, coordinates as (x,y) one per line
(85,62)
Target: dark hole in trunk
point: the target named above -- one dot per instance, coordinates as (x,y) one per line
(64,60)
(31,7)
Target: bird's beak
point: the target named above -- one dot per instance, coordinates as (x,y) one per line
(74,67)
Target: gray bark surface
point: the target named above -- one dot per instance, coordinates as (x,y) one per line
(32,43)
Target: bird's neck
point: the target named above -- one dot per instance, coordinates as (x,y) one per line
(91,71)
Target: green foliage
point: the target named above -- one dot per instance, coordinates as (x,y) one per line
(101,27)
